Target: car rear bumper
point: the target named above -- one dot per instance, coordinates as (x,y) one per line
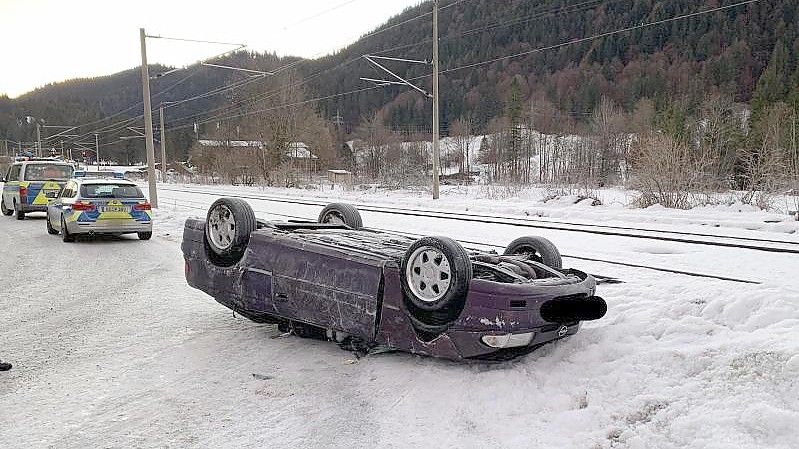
(32,208)
(109,227)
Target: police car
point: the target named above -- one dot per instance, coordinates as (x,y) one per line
(90,206)
(30,183)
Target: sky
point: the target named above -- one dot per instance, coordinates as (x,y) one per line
(45,41)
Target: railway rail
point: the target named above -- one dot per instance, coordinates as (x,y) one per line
(204,207)
(789,247)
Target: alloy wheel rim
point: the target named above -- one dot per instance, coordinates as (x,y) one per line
(333,218)
(428,274)
(221,227)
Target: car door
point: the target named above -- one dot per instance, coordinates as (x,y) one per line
(54,208)
(318,284)
(11,186)
(63,200)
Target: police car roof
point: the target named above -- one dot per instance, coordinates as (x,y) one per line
(117,181)
(43,161)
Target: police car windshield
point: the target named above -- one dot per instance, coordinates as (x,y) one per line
(46,172)
(110,190)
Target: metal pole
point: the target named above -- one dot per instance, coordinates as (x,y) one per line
(793,144)
(38,139)
(148,120)
(436,118)
(163,145)
(97,148)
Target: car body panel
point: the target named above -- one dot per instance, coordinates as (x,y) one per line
(339,291)
(319,279)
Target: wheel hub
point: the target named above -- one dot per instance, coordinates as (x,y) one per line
(221,227)
(333,218)
(429,274)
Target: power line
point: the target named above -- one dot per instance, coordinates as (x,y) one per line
(103,128)
(481,63)
(321,13)
(562,10)
(120,125)
(306,80)
(600,36)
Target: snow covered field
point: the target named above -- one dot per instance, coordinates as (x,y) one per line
(112,349)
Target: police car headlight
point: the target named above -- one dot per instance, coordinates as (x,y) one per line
(508,340)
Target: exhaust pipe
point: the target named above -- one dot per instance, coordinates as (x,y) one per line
(564,310)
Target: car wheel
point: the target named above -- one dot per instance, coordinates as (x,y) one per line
(6,211)
(20,214)
(341,213)
(538,248)
(145,235)
(228,226)
(50,229)
(65,235)
(435,272)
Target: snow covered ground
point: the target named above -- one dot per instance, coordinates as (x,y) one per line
(112,349)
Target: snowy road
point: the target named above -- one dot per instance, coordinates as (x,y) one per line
(112,349)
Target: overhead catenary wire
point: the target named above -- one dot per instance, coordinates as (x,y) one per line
(309,78)
(493,60)
(321,13)
(453,69)
(115,127)
(510,21)
(601,35)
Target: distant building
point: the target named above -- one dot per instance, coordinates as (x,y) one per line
(296,150)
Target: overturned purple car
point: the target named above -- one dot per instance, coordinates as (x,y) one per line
(337,280)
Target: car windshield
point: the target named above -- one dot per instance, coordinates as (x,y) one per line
(110,190)
(45,172)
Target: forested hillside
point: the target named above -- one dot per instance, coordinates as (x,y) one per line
(682,61)
(748,54)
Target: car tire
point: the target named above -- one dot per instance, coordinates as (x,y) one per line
(228,226)
(19,213)
(145,235)
(435,275)
(539,249)
(343,213)
(50,229)
(66,237)
(6,211)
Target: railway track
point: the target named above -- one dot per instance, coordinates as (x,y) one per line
(195,205)
(776,246)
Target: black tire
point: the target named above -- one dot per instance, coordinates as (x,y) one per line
(346,213)
(66,237)
(50,229)
(6,211)
(435,314)
(539,249)
(244,223)
(145,235)
(20,214)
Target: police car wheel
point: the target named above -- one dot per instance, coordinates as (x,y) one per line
(65,235)
(19,212)
(145,235)
(50,229)
(6,211)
